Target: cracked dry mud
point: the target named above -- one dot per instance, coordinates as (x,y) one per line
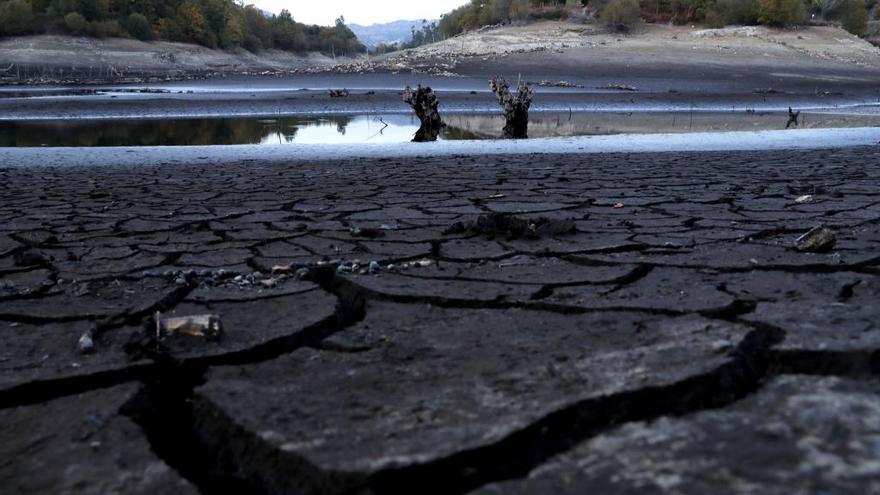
(674,342)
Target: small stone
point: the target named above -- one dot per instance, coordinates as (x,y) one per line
(806,198)
(721,346)
(374,267)
(817,240)
(180,281)
(86,344)
(238,279)
(302,273)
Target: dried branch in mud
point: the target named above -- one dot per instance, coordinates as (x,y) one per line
(515,107)
(424,102)
(792,118)
(338,93)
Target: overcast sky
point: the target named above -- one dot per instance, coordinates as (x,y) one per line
(324,12)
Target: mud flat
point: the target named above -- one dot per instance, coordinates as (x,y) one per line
(498,324)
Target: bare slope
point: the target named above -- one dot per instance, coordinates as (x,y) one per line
(61,57)
(592,43)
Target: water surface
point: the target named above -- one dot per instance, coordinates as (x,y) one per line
(395,128)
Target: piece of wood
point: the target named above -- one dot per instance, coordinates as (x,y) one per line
(424,102)
(515,107)
(792,118)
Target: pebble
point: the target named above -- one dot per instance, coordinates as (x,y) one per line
(817,240)
(85,344)
(374,267)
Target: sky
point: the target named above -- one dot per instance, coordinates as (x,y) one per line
(366,12)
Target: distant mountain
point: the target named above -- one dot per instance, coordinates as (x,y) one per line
(389,32)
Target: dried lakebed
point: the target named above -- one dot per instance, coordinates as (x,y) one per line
(624,323)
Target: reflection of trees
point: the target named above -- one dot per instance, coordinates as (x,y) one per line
(452,133)
(137,132)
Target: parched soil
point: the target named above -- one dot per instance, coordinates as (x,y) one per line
(520,324)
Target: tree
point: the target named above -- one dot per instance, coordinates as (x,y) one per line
(621,13)
(726,12)
(781,12)
(855,18)
(192,22)
(138,26)
(75,23)
(15,18)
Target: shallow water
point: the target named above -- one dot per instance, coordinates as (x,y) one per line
(389,129)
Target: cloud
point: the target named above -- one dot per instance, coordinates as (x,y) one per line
(324,12)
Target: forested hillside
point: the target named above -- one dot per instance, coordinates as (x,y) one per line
(853,15)
(213,23)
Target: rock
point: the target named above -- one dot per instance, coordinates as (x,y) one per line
(428,382)
(80,444)
(817,240)
(85,343)
(799,434)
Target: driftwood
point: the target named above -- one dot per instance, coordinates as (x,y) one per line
(792,118)
(424,102)
(338,93)
(515,107)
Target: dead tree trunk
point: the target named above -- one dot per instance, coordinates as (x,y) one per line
(792,118)
(515,107)
(424,102)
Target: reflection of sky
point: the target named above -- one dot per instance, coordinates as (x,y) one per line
(361,129)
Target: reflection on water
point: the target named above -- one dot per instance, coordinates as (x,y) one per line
(387,128)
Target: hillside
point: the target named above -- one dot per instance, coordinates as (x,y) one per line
(50,58)
(566,43)
(388,33)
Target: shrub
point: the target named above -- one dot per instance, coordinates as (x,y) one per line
(15,17)
(621,12)
(726,12)
(75,23)
(138,26)
(105,29)
(781,12)
(855,18)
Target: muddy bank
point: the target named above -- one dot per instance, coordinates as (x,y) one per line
(248,98)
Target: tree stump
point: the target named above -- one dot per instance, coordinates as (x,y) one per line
(515,107)
(424,102)
(792,118)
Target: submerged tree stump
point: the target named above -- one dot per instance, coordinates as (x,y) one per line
(424,102)
(792,118)
(515,107)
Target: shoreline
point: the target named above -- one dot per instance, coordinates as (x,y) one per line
(645,144)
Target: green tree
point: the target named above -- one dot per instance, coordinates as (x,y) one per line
(726,12)
(855,18)
(621,12)
(138,26)
(75,23)
(781,12)
(15,18)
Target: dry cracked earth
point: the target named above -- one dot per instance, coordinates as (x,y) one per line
(541,324)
